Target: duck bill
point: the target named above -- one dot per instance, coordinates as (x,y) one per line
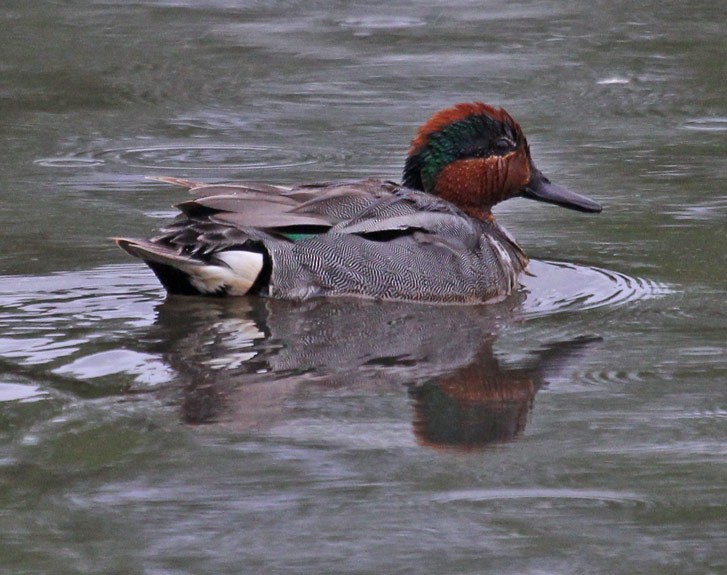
(541,189)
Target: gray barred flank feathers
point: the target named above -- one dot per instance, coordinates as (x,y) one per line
(417,266)
(231,272)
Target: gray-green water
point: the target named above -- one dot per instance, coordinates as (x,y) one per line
(579,427)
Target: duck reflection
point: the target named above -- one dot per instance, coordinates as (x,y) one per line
(487,402)
(242,362)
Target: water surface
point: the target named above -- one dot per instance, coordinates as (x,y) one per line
(579,426)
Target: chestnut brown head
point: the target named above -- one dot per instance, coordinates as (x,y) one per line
(475,156)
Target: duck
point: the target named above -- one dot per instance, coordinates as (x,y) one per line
(431,238)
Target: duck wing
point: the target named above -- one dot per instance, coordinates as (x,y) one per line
(220,216)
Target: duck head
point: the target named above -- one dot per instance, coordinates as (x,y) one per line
(475,156)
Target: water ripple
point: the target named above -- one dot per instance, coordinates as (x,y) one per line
(69,162)
(367,25)
(614,80)
(558,286)
(20,392)
(82,324)
(480,495)
(705,210)
(70,322)
(187,157)
(716,124)
(614,376)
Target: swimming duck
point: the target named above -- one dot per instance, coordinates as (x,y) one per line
(432,238)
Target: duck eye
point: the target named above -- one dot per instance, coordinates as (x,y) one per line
(504,145)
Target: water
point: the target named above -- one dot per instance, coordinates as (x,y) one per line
(577,427)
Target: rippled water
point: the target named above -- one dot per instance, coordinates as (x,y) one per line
(577,427)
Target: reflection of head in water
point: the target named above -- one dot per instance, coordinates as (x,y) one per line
(445,416)
(485,403)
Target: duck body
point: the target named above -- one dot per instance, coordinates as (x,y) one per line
(432,239)
(370,238)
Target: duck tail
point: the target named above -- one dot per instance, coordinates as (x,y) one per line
(228,272)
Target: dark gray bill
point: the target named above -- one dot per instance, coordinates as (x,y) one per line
(540,188)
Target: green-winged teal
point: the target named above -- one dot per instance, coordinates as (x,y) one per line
(432,238)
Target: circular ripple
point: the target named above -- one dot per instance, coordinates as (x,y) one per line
(556,286)
(238,157)
(217,157)
(69,162)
